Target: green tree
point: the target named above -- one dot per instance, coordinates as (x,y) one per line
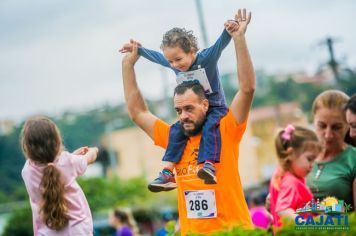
(105,193)
(20,223)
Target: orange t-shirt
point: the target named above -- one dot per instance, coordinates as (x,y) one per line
(206,208)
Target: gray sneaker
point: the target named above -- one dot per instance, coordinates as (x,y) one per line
(207,173)
(164,182)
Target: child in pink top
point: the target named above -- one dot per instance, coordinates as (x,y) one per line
(297,148)
(58,204)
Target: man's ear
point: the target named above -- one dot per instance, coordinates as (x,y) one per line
(206,104)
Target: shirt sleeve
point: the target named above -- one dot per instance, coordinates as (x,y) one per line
(231,128)
(79,163)
(154,56)
(161,133)
(287,197)
(212,54)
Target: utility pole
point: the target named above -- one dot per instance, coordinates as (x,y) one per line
(201,23)
(166,97)
(332,61)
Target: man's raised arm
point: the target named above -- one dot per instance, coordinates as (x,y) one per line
(136,105)
(241,104)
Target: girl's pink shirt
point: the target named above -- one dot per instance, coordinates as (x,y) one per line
(293,193)
(71,166)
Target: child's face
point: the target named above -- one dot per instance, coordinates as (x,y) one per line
(178,59)
(301,164)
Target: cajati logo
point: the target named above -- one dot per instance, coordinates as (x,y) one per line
(328,214)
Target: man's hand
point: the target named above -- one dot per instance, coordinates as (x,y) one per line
(131,57)
(241,104)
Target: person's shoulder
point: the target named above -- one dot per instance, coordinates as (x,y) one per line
(352,149)
(227,116)
(200,56)
(350,155)
(27,161)
(350,152)
(290,181)
(230,118)
(161,133)
(25,168)
(64,156)
(161,124)
(289,176)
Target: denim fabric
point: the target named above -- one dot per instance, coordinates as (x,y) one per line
(210,142)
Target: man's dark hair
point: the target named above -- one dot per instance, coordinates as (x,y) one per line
(194,85)
(351,104)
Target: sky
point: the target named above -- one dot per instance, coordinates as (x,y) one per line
(63,55)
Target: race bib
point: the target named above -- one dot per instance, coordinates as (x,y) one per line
(199,75)
(200,204)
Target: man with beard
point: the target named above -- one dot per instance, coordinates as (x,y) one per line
(202,208)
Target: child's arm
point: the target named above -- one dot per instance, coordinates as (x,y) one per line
(81,150)
(287,213)
(151,55)
(154,56)
(91,154)
(213,52)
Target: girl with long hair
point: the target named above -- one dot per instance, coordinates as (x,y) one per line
(58,204)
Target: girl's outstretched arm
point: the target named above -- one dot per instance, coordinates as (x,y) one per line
(91,154)
(81,150)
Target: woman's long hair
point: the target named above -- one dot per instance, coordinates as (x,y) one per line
(41,142)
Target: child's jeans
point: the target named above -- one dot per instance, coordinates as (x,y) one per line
(210,143)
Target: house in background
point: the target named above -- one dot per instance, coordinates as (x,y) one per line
(6,127)
(265,123)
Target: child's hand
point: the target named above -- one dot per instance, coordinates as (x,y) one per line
(81,151)
(127,47)
(130,58)
(231,26)
(92,154)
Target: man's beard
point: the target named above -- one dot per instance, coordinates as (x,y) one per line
(197,127)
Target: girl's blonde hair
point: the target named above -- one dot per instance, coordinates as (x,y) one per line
(297,138)
(41,142)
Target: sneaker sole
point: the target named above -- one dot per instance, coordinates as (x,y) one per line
(207,177)
(161,187)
